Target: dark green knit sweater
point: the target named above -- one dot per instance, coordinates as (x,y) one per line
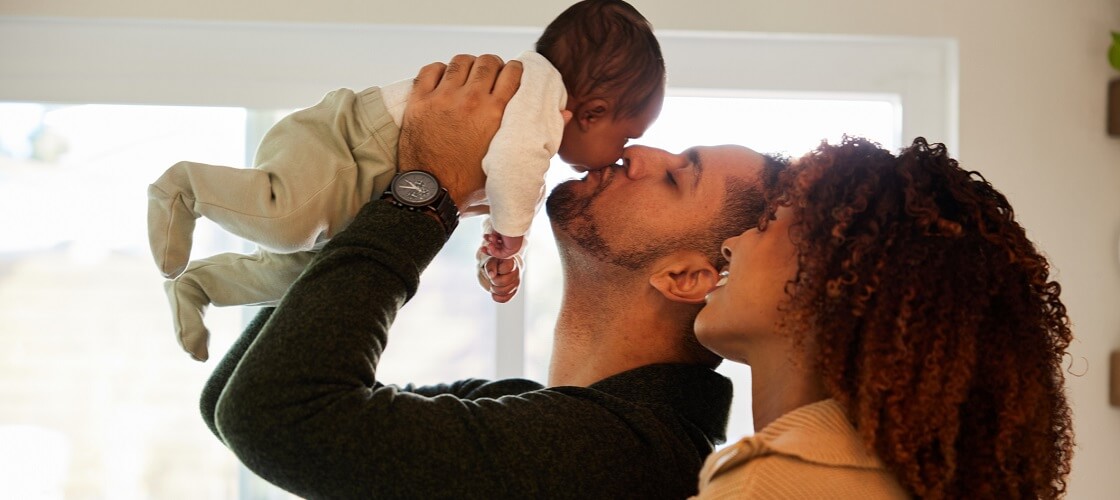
(298,401)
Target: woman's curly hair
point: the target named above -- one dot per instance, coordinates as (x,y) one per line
(936,323)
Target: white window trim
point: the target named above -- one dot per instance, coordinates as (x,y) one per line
(288,66)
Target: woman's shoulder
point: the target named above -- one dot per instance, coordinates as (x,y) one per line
(811,452)
(779,476)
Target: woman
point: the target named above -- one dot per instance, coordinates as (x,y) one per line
(903,335)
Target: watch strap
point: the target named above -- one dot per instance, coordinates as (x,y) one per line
(442,206)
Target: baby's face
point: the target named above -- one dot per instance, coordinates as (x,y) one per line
(601,143)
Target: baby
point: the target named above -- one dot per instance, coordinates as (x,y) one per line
(598,61)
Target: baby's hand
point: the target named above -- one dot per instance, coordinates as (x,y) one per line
(502,247)
(500,277)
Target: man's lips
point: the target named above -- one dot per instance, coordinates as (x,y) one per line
(598,179)
(595,176)
(605,174)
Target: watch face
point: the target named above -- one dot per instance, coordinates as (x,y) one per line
(415,188)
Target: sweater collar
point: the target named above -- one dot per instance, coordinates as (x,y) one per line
(819,432)
(698,394)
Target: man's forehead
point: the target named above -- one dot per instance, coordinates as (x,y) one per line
(729,162)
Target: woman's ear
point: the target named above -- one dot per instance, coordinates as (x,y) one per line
(686,277)
(589,113)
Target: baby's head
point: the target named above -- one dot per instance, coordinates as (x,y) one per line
(612,67)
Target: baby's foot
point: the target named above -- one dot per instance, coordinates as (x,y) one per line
(170,229)
(188,305)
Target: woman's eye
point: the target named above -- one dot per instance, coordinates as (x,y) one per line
(669,177)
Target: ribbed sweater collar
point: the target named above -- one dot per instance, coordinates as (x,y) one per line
(819,432)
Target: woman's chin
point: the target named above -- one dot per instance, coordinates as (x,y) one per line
(707,331)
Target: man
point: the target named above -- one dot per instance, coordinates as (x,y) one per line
(633,406)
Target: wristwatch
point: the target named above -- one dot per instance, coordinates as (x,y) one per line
(420,191)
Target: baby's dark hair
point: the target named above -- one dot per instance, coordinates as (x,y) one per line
(606,49)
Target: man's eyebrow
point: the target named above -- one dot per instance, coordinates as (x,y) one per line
(693,155)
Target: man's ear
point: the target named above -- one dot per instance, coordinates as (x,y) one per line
(589,113)
(685,277)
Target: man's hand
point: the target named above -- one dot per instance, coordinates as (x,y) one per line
(453,112)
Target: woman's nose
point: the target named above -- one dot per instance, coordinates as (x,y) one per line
(725,249)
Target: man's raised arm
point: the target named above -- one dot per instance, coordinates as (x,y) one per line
(304,391)
(304,409)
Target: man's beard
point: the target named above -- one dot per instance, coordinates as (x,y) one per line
(571,215)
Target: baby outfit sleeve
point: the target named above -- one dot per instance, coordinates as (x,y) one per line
(519,155)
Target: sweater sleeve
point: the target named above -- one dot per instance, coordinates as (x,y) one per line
(303,409)
(220,376)
(519,155)
(469,388)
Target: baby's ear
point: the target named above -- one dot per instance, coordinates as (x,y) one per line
(591,112)
(685,276)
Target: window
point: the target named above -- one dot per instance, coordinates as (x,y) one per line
(97,395)
(101,394)
(92,375)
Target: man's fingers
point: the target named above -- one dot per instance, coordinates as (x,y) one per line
(485,71)
(447,129)
(428,77)
(457,70)
(509,80)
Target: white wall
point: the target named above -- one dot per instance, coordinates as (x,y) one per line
(1033,77)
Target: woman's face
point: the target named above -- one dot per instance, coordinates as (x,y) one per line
(743,308)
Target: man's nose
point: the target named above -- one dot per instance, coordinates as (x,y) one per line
(641,161)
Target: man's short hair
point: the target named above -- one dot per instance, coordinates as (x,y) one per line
(744,206)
